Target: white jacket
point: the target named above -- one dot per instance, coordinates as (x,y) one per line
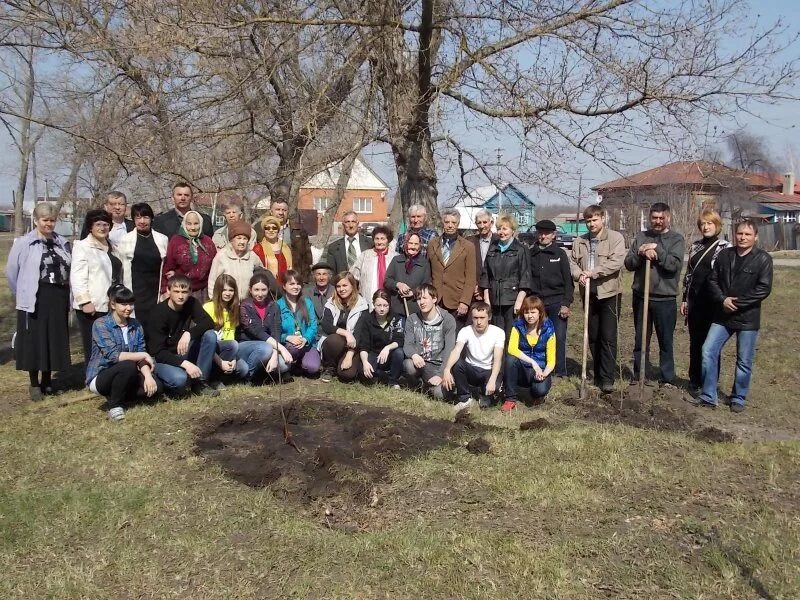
(365,270)
(241,268)
(90,274)
(126,247)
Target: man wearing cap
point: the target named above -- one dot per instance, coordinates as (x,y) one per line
(552,282)
(320,289)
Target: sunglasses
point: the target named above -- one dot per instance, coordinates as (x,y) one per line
(270,229)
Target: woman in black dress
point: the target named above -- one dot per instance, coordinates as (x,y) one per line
(38,275)
(142,253)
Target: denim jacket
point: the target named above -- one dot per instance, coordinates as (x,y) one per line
(22,268)
(108,343)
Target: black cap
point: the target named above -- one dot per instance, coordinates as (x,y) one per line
(545,225)
(321,265)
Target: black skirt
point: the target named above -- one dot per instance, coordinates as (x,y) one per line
(42,342)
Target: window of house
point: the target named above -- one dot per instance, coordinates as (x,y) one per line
(362,205)
(219,220)
(790,217)
(322,204)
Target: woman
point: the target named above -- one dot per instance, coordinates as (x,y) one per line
(275,255)
(506,275)
(142,252)
(235,259)
(38,276)
(380,338)
(260,330)
(695,306)
(531,354)
(190,253)
(406,273)
(94,269)
(299,324)
(224,309)
(120,367)
(370,267)
(342,313)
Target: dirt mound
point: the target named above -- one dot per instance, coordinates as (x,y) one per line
(535,425)
(333,449)
(479,446)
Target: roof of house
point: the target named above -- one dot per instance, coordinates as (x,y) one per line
(362,177)
(781,206)
(690,172)
(489,195)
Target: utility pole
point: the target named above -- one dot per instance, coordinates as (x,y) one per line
(580,193)
(499,191)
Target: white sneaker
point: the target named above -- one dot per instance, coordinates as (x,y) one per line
(116,414)
(465,404)
(396,386)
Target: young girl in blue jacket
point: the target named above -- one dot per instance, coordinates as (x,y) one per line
(298,324)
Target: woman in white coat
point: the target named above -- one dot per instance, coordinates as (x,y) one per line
(370,267)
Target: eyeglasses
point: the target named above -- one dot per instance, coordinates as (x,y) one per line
(270,229)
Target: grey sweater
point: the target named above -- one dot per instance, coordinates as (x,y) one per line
(432,340)
(665,272)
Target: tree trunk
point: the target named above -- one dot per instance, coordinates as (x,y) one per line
(416,175)
(25,145)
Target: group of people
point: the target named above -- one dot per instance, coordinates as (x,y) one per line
(164,303)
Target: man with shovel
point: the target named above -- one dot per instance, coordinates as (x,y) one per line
(660,251)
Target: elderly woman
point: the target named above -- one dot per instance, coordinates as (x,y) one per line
(275,254)
(406,273)
(370,267)
(94,269)
(695,306)
(142,252)
(236,259)
(190,253)
(38,276)
(506,276)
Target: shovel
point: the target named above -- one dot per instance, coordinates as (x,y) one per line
(585,357)
(643,341)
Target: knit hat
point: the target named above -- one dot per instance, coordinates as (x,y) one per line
(239,228)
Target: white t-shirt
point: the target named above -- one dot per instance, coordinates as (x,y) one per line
(480,348)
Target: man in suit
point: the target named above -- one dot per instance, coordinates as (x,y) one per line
(343,253)
(117,206)
(169,223)
(293,234)
(453,267)
(481,241)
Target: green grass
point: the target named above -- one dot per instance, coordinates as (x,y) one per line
(91,509)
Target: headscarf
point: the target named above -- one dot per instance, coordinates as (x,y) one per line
(410,259)
(194,242)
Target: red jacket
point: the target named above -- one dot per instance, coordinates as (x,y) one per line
(179,260)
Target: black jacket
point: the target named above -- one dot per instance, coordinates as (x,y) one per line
(337,252)
(396,273)
(665,273)
(506,273)
(253,327)
(551,279)
(169,223)
(748,279)
(166,326)
(371,337)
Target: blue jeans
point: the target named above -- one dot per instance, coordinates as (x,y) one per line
(229,350)
(391,369)
(201,353)
(716,339)
(519,373)
(255,354)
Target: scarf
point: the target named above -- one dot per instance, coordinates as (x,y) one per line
(194,242)
(381,267)
(410,262)
(503,247)
(271,261)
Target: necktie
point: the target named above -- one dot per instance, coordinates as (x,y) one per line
(352,255)
(445,251)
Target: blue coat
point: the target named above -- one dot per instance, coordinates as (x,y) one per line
(290,323)
(22,268)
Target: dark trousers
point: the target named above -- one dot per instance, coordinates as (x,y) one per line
(560,325)
(699,322)
(466,376)
(122,383)
(518,373)
(85,323)
(661,316)
(391,369)
(461,322)
(503,317)
(333,350)
(603,320)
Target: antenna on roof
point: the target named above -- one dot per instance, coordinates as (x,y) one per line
(499,190)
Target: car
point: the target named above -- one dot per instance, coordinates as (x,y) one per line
(563,239)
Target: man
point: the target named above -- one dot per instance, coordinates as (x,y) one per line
(169,223)
(116,205)
(596,260)
(452,261)
(552,282)
(293,234)
(343,253)
(182,339)
(233,213)
(429,339)
(417,217)
(740,281)
(320,290)
(483,347)
(482,240)
(664,249)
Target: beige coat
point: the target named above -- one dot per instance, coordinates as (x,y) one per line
(239,267)
(456,280)
(609,261)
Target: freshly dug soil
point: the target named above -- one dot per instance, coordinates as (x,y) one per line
(336,449)
(479,446)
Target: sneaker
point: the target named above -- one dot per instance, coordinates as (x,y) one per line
(35,392)
(203,389)
(607,388)
(699,402)
(736,407)
(484,401)
(509,405)
(49,390)
(668,385)
(116,414)
(468,403)
(326,375)
(395,386)
(217,385)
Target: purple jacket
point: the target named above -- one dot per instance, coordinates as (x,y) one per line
(22,268)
